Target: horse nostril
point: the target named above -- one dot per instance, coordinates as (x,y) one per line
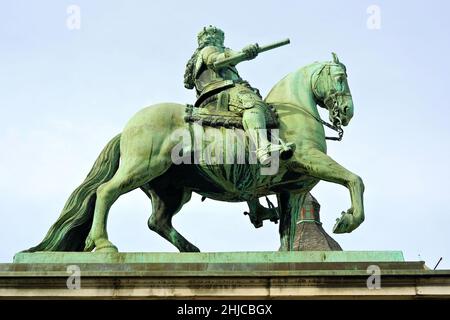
(345,110)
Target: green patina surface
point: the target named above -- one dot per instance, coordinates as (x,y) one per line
(210,258)
(150,153)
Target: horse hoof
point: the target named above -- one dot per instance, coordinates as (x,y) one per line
(89,245)
(107,249)
(343,224)
(104,245)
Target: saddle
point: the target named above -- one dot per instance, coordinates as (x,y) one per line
(219,110)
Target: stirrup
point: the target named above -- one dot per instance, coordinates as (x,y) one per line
(287,150)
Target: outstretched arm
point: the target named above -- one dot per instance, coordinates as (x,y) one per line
(212,56)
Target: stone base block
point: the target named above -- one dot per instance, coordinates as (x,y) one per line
(239,275)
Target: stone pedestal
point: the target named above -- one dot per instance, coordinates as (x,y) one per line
(238,275)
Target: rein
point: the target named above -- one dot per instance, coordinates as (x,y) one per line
(336,128)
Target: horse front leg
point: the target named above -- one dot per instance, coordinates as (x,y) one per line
(319,165)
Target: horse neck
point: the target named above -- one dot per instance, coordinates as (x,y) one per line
(296,90)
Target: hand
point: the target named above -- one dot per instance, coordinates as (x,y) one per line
(251,51)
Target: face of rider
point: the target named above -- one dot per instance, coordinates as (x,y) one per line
(211,36)
(212,39)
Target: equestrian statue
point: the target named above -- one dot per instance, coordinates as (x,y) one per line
(230,145)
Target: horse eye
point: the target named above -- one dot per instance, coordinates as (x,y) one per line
(340,83)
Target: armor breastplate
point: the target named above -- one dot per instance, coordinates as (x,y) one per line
(207,78)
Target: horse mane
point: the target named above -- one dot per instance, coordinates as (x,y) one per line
(287,89)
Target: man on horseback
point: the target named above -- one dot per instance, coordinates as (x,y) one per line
(210,81)
(141,156)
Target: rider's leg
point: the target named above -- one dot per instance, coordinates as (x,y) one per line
(254,122)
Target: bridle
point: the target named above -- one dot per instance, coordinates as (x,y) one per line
(331,101)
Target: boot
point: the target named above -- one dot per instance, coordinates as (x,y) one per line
(286,151)
(255,125)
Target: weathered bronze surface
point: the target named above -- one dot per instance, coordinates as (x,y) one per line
(168,157)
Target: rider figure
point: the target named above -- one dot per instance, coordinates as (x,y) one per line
(208,81)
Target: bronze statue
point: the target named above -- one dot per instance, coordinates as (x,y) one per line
(155,149)
(210,81)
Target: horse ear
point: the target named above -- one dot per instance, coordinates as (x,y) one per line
(335,58)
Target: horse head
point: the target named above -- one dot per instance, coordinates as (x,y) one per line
(331,91)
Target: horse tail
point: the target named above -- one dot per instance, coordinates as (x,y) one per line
(71,229)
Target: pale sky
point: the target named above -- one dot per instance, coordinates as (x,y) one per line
(64,93)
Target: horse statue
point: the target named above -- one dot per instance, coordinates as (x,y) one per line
(142,157)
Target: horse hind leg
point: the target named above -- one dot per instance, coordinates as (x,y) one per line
(166,203)
(129,176)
